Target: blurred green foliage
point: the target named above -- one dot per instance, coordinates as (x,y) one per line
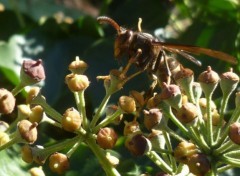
(56,33)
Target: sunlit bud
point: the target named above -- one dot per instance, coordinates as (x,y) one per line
(32,72)
(184,150)
(199,164)
(138,144)
(112,159)
(78,66)
(77,83)
(187,113)
(127,104)
(4,138)
(59,163)
(107,138)
(154,101)
(208,80)
(71,120)
(3,126)
(31,94)
(27,154)
(138,97)
(7,101)
(131,127)
(197,91)
(152,118)
(203,105)
(36,171)
(234,132)
(171,94)
(229,81)
(28,131)
(215,118)
(36,114)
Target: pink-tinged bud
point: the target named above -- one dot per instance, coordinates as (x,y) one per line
(199,164)
(32,72)
(7,101)
(234,133)
(152,118)
(138,144)
(107,138)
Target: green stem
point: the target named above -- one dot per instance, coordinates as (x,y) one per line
(174,134)
(231,161)
(223,148)
(18,88)
(209,121)
(224,168)
(80,101)
(100,110)
(107,120)
(99,153)
(159,162)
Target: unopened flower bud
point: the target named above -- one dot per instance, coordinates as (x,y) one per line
(203,105)
(32,93)
(59,163)
(7,101)
(71,120)
(208,80)
(36,171)
(157,139)
(127,104)
(171,94)
(138,97)
(234,134)
(152,118)
(215,118)
(36,114)
(199,164)
(78,66)
(131,127)
(4,138)
(32,72)
(138,144)
(229,81)
(197,91)
(3,126)
(28,131)
(184,150)
(112,159)
(107,138)
(187,113)
(111,109)
(27,154)
(77,83)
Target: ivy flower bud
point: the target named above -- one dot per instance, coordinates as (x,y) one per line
(27,154)
(111,109)
(71,120)
(187,113)
(32,93)
(107,138)
(138,97)
(32,72)
(171,94)
(157,139)
(229,81)
(203,105)
(138,144)
(184,150)
(112,159)
(233,133)
(152,118)
(131,127)
(4,138)
(78,66)
(59,163)
(28,131)
(36,171)
(199,164)
(36,114)
(208,80)
(7,101)
(3,126)
(127,104)
(197,91)
(77,83)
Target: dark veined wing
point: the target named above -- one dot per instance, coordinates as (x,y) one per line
(184,49)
